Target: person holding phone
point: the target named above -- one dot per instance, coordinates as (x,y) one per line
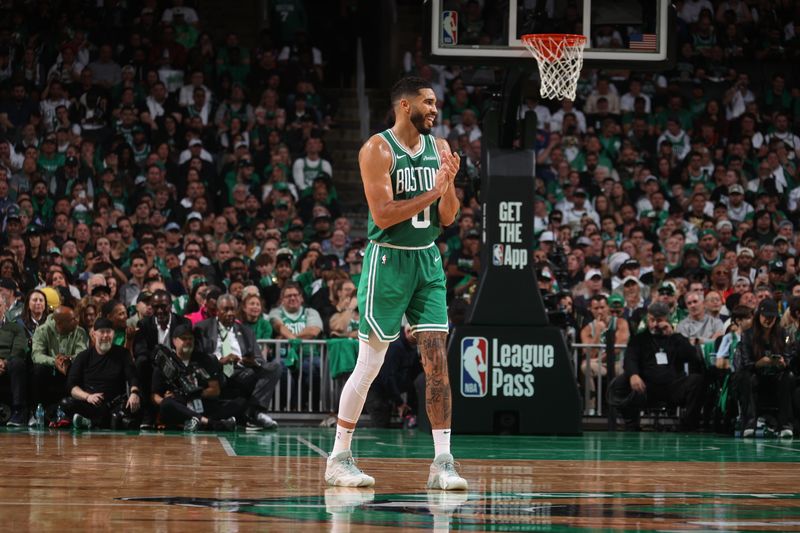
(761,366)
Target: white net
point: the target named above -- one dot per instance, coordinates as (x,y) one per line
(560,59)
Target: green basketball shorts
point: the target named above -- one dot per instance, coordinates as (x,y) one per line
(397,281)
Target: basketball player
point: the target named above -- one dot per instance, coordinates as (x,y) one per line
(408,181)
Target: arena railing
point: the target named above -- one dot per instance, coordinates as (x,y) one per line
(306,386)
(310,385)
(582,352)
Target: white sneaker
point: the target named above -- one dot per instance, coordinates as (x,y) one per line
(343,472)
(346,499)
(261,421)
(786,433)
(748,433)
(32,421)
(444,476)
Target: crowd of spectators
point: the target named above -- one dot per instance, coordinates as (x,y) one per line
(155,178)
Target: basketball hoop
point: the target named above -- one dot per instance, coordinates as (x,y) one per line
(560,59)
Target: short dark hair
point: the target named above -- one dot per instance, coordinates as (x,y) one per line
(741,312)
(138,254)
(292,285)
(408,86)
(109,306)
(162,293)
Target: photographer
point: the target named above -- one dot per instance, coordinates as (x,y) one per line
(761,366)
(153,331)
(654,371)
(97,381)
(205,411)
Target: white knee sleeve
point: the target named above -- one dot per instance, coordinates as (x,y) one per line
(368,364)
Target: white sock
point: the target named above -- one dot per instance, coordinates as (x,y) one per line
(441,442)
(343,437)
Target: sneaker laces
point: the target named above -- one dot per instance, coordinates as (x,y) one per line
(449,468)
(350,466)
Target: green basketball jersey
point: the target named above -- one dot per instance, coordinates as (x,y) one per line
(412,175)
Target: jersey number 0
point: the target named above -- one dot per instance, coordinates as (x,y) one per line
(422,219)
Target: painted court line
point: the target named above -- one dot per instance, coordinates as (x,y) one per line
(782,447)
(226,445)
(311,445)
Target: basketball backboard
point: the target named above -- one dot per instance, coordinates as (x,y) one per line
(631,34)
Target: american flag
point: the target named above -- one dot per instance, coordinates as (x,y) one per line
(643,41)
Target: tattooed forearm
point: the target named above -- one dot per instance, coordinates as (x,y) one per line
(438,401)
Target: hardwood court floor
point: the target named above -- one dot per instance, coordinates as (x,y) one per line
(101,481)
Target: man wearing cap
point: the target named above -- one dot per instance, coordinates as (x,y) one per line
(592,286)
(786,229)
(738,209)
(195,149)
(629,268)
(654,371)
(699,327)
(66,177)
(294,240)
(98,376)
(710,255)
(781,244)
(546,240)
(579,208)
(727,238)
(245,371)
(322,227)
(206,412)
(153,331)
(634,304)
(744,264)
(668,295)
(596,332)
(238,244)
(543,276)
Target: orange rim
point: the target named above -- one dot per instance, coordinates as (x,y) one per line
(549,45)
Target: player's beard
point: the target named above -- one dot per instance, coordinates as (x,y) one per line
(418,120)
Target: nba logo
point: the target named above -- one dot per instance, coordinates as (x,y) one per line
(450,28)
(474,366)
(497,254)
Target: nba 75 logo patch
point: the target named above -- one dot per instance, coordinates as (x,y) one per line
(474,366)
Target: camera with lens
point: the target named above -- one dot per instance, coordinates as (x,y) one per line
(121,417)
(185,381)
